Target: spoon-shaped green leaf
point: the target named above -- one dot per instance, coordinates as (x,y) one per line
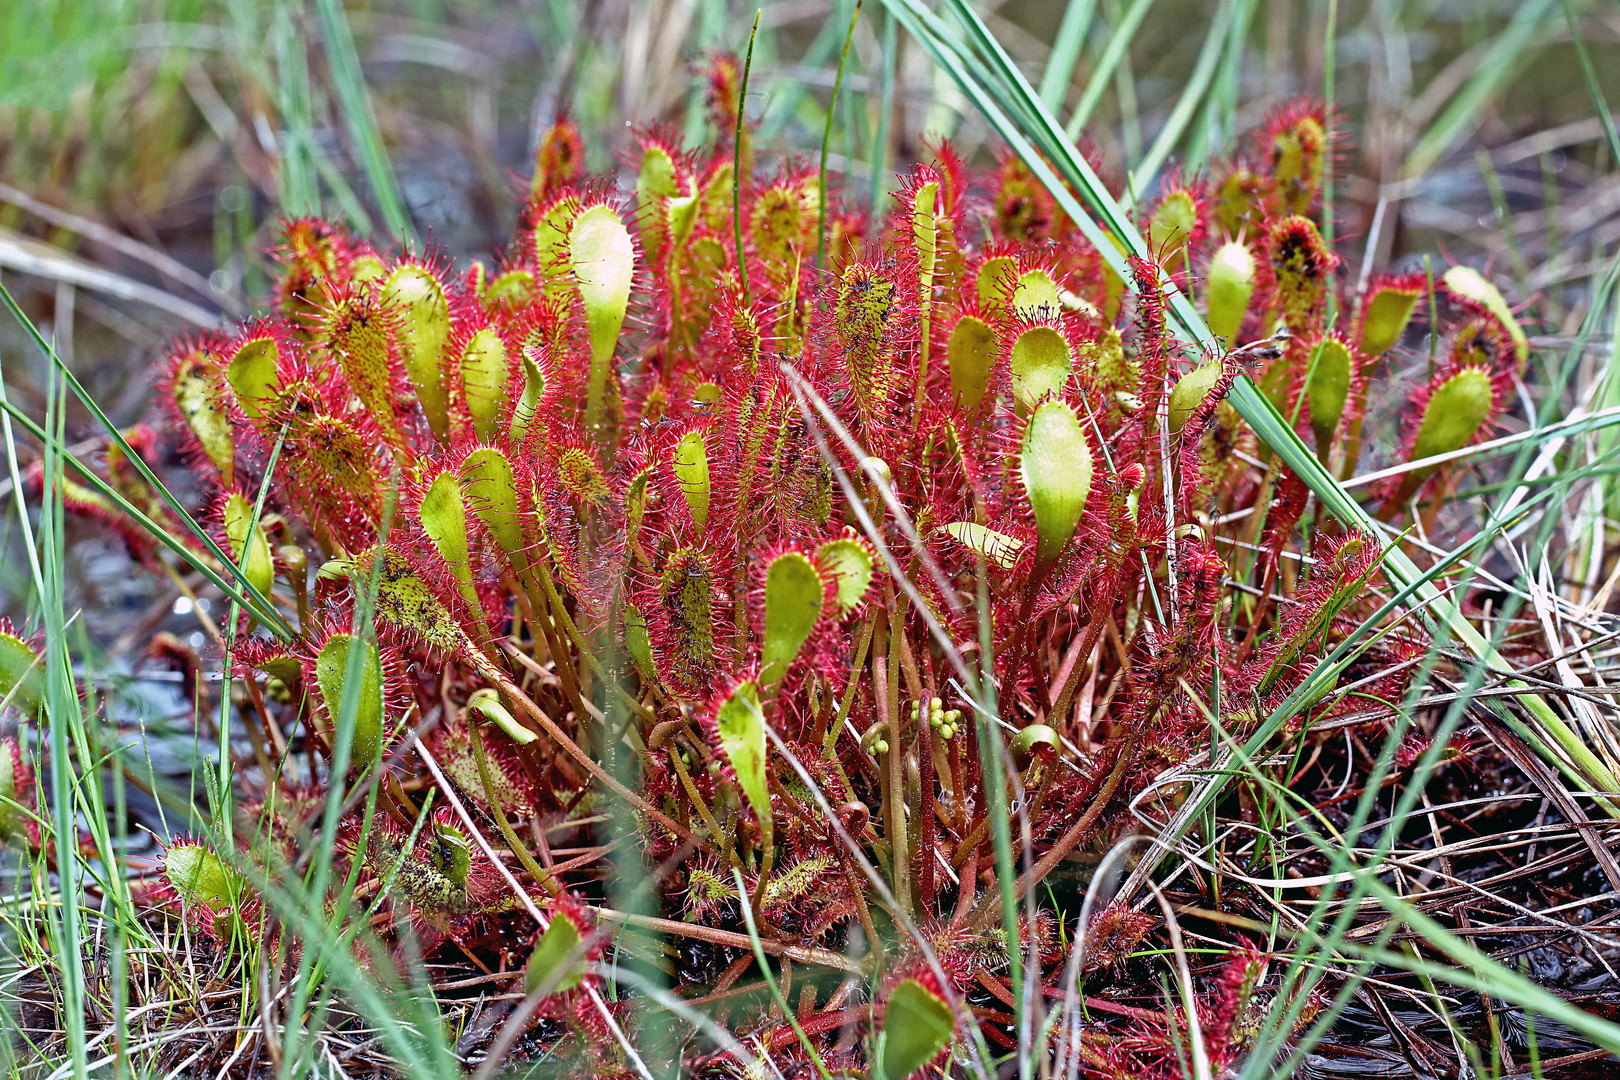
(740,724)
(917,1027)
(331,671)
(248,543)
(1055,465)
(1041,362)
(604,261)
(794,592)
(691,462)
(849,563)
(424,330)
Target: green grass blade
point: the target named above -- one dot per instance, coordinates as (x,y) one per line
(249,596)
(1197,83)
(1119,44)
(1071,36)
(361,118)
(1507,53)
(826,140)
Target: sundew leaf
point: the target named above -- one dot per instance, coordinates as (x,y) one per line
(331,672)
(443,514)
(917,1027)
(996,278)
(252,375)
(604,262)
(997,547)
(655,181)
(691,463)
(638,643)
(195,396)
(1040,363)
(1468,283)
(925,235)
(404,599)
(558,961)
(22,679)
(534,385)
(1190,391)
(1388,311)
(1228,287)
(1172,224)
(248,543)
(1327,388)
(1055,464)
(849,564)
(201,876)
(483,380)
(971,353)
(360,336)
(1454,414)
(424,320)
(486,477)
(1036,294)
(794,593)
(740,723)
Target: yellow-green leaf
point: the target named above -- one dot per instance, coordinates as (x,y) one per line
(1190,391)
(917,1027)
(849,564)
(443,514)
(691,462)
(997,547)
(483,380)
(1228,288)
(22,678)
(252,375)
(365,703)
(487,703)
(971,353)
(1387,313)
(604,261)
(1041,363)
(1468,283)
(558,961)
(1055,465)
(741,726)
(424,330)
(794,592)
(249,546)
(1327,387)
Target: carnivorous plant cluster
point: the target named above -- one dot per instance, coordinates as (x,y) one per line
(809,547)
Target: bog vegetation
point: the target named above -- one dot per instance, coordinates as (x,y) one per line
(744,632)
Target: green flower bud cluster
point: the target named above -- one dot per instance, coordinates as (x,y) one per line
(943,720)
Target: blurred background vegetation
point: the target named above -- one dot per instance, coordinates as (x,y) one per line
(149,148)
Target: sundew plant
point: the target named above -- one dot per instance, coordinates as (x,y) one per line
(745,629)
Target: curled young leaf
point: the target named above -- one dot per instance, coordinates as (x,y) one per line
(1469,284)
(996,547)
